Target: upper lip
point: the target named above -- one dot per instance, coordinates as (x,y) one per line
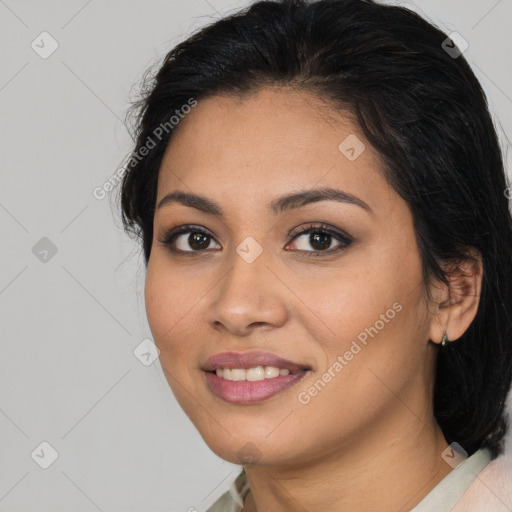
(250,360)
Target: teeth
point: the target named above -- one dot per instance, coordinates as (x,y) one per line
(237,374)
(251,374)
(254,374)
(271,371)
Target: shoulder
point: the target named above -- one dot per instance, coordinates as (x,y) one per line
(232,500)
(491,491)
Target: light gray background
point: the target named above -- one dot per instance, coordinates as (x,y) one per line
(68,375)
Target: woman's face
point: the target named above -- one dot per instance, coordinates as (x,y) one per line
(352,310)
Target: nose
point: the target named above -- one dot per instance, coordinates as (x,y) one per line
(249,297)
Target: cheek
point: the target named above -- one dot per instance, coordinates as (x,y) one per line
(169,302)
(340,305)
(158,310)
(370,358)
(170,310)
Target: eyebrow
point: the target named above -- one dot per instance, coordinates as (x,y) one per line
(279,205)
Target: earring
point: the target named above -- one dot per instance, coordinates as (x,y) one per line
(445,340)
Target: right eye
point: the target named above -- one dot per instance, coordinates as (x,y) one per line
(198,240)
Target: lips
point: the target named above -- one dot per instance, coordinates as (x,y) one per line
(248,360)
(247,392)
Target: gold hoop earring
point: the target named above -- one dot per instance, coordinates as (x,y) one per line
(445,340)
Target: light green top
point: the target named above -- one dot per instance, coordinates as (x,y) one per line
(442,498)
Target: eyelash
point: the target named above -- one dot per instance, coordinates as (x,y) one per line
(170,237)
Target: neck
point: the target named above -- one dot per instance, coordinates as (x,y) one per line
(385,472)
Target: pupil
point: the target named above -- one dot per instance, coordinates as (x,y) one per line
(313,239)
(196,237)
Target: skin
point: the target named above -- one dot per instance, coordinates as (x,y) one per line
(372,426)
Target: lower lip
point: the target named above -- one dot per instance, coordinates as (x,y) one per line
(250,392)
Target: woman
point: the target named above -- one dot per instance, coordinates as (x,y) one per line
(319,193)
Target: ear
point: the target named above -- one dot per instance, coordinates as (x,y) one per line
(457,303)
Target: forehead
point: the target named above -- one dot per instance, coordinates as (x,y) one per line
(270,142)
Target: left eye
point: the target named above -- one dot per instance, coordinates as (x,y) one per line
(321,239)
